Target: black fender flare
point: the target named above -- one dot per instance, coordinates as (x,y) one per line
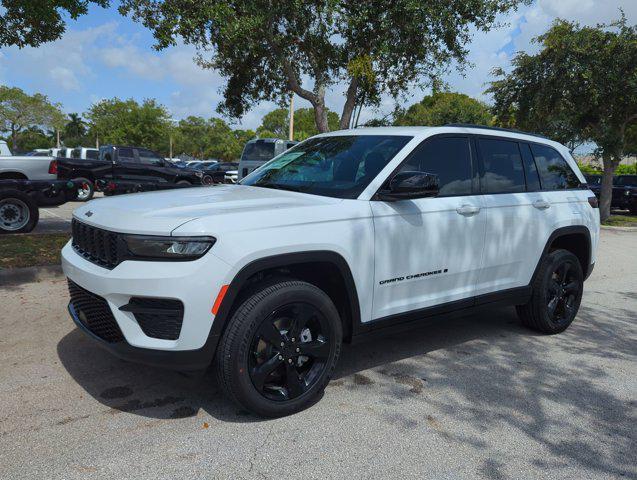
(561,232)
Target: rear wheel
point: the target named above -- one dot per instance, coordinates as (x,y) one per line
(557,294)
(18,212)
(280,348)
(85,190)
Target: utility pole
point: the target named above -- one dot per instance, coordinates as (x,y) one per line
(57,133)
(291,135)
(97,140)
(170,143)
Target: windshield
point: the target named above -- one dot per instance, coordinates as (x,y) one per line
(258,150)
(339,166)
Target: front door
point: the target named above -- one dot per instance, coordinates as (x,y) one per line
(428,251)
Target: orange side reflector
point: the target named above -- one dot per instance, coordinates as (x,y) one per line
(222,293)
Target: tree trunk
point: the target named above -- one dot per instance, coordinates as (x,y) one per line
(320,117)
(607,188)
(350,105)
(14,139)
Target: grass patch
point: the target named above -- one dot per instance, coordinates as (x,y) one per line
(30,250)
(621,221)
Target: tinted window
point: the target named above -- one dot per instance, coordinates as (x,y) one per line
(555,173)
(447,157)
(532,175)
(624,180)
(148,158)
(92,154)
(503,171)
(338,166)
(126,154)
(259,150)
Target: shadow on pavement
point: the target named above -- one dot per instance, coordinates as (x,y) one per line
(484,371)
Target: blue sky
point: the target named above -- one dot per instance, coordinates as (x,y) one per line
(103,55)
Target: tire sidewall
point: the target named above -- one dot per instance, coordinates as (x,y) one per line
(245,390)
(91,188)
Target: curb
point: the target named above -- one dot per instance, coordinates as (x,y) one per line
(18,276)
(619,229)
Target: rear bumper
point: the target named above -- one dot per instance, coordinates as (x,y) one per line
(189,360)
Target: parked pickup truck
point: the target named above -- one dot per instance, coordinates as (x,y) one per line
(27,167)
(20,199)
(134,164)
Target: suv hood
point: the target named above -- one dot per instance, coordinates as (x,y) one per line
(159,213)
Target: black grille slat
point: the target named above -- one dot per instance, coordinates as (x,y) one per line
(95,314)
(96,245)
(157,317)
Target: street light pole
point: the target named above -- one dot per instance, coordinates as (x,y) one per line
(291,135)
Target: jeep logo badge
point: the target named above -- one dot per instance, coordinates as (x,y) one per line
(89,213)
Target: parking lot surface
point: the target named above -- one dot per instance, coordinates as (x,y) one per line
(477,397)
(58,219)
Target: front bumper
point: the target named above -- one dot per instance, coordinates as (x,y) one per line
(196,284)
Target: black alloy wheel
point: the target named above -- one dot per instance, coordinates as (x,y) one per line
(289,351)
(563,289)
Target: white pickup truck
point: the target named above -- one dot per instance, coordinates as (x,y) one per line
(14,167)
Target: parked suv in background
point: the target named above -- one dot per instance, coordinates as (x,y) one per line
(133,164)
(346,234)
(258,151)
(625,193)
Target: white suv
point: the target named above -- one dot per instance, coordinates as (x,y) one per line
(346,234)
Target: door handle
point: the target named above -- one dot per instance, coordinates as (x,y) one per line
(541,204)
(468,210)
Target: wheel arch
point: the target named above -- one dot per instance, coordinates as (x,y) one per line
(576,239)
(13,175)
(326,269)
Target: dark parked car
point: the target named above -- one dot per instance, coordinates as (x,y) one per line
(624,191)
(132,164)
(215,172)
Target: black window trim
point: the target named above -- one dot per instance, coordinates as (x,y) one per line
(582,185)
(481,168)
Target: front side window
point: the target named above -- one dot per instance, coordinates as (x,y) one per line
(259,150)
(339,166)
(91,154)
(447,157)
(148,158)
(126,154)
(555,173)
(624,180)
(503,171)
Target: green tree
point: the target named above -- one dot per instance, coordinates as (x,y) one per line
(212,138)
(277,123)
(126,122)
(441,108)
(74,131)
(32,138)
(20,111)
(581,86)
(266,49)
(33,22)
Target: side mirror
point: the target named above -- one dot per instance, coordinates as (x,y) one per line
(406,185)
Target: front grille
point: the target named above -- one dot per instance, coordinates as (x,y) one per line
(157,317)
(94,313)
(96,245)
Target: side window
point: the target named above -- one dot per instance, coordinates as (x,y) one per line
(126,155)
(555,173)
(148,158)
(532,175)
(447,157)
(503,171)
(91,154)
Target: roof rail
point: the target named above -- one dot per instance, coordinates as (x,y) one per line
(499,129)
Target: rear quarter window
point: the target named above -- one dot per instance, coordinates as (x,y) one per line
(555,173)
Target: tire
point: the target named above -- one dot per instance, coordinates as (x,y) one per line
(86,190)
(557,294)
(259,374)
(207,180)
(18,212)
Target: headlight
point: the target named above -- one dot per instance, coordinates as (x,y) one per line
(168,248)
(627,192)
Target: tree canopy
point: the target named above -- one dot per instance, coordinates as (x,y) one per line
(33,22)
(211,138)
(20,111)
(581,86)
(267,49)
(277,123)
(441,108)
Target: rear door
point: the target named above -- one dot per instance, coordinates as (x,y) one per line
(428,251)
(518,214)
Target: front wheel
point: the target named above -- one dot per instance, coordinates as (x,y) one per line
(18,212)
(557,294)
(280,348)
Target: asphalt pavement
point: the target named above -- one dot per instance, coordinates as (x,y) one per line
(477,397)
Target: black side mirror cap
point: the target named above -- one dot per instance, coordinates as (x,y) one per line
(411,184)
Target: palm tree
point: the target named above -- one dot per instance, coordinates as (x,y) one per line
(75,129)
